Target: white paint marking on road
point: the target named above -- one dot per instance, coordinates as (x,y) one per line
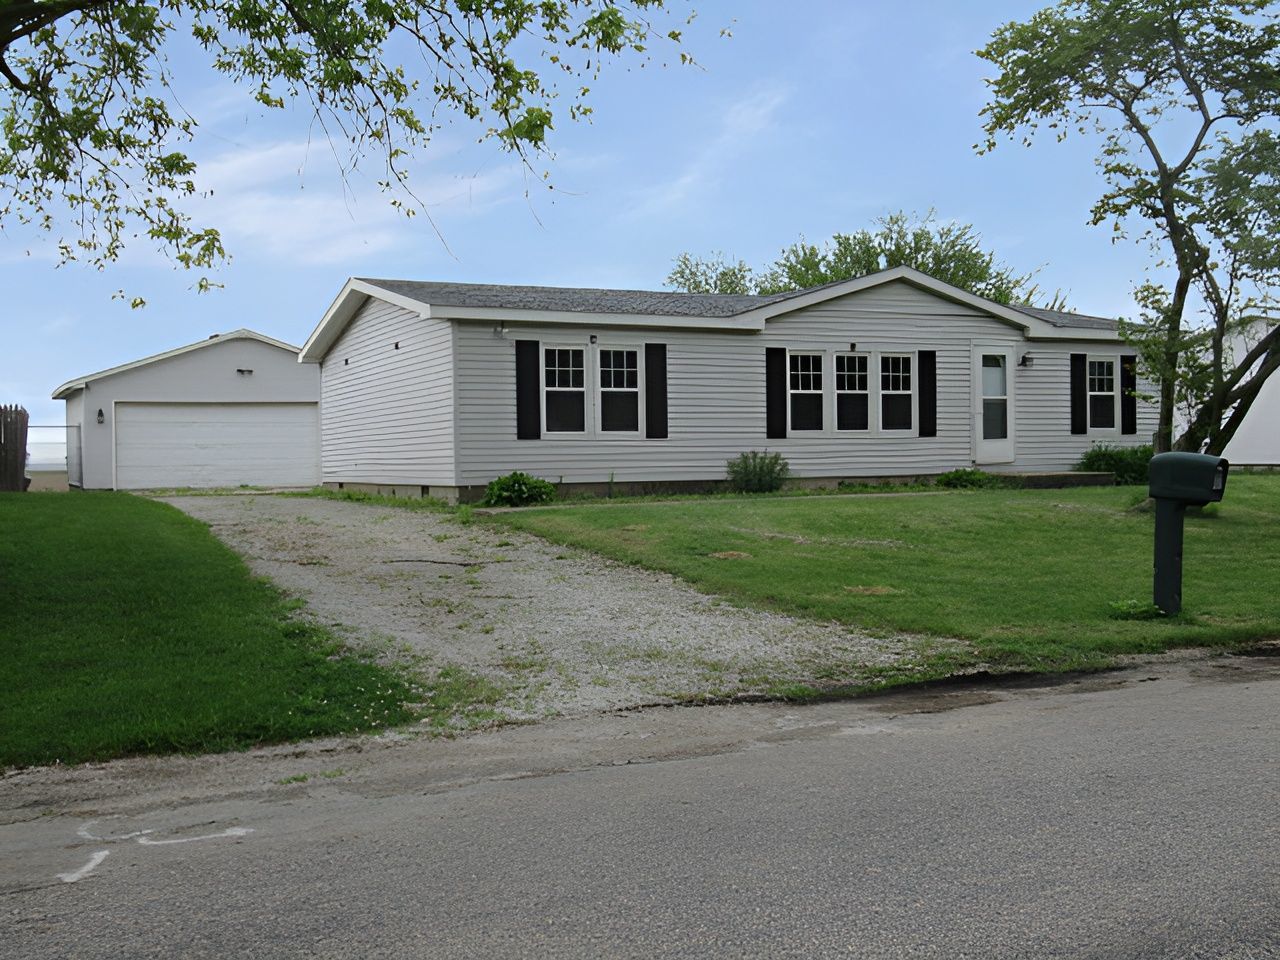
(84,832)
(229,832)
(87,869)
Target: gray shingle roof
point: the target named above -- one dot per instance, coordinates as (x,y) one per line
(641,302)
(576,299)
(1060,318)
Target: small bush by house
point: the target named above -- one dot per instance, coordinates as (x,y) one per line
(518,490)
(757,472)
(1129,464)
(971,479)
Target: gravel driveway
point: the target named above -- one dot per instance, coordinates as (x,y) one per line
(564,631)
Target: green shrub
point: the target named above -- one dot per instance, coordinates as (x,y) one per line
(1129,464)
(756,472)
(971,479)
(517,490)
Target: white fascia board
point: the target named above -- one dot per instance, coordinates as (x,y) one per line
(563,318)
(340,313)
(80,383)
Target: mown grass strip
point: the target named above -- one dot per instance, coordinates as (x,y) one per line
(128,628)
(1033,579)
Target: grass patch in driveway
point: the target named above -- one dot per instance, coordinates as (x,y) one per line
(1031,578)
(128,628)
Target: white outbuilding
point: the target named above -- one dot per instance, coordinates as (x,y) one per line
(236,409)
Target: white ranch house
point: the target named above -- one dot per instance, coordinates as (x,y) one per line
(438,388)
(231,410)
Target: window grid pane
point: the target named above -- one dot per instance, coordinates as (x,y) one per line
(851,373)
(895,374)
(806,372)
(619,370)
(564,369)
(1102,377)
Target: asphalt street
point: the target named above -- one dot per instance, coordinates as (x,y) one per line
(1121,816)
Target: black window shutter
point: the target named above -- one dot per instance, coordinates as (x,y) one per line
(775,392)
(1079,395)
(655,391)
(1128,402)
(528,377)
(927,361)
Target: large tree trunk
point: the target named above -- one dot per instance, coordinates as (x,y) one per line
(1168,383)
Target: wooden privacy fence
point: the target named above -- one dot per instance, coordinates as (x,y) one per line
(13,448)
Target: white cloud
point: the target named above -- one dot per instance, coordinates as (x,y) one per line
(743,122)
(284,201)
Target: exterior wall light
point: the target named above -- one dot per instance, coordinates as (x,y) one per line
(1027,361)
(101,418)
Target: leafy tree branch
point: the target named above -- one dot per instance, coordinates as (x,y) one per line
(1184,96)
(95,146)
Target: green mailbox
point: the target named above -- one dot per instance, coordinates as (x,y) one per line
(1192,478)
(1177,481)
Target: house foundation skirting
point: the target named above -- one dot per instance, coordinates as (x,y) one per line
(605,489)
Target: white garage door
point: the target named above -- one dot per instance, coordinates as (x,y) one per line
(216,445)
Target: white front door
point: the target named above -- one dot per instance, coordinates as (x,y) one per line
(993,405)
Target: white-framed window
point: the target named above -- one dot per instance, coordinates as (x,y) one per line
(853,391)
(897,392)
(804,391)
(564,389)
(1101,385)
(619,386)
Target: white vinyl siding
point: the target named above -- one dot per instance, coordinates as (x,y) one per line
(387,400)
(1042,410)
(716,397)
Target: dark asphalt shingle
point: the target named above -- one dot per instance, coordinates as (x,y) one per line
(639,302)
(1060,318)
(576,299)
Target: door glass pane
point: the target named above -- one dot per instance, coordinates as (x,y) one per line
(995,419)
(993,375)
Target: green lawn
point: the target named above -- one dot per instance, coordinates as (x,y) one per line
(1031,578)
(127,628)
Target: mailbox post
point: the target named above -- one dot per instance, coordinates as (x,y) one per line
(1177,481)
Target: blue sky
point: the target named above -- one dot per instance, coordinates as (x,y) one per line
(815,117)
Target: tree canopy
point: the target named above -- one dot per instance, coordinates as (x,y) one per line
(949,252)
(1183,96)
(95,141)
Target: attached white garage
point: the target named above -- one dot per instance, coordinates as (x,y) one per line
(236,409)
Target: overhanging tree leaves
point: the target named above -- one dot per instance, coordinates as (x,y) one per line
(92,130)
(949,252)
(1184,94)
